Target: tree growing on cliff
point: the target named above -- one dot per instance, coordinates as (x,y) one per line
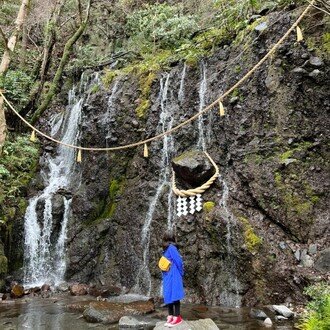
(9,48)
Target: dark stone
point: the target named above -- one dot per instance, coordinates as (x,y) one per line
(316,62)
(258,314)
(78,289)
(108,312)
(17,291)
(193,167)
(322,263)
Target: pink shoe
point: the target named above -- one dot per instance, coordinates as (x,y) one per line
(176,321)
(168,321)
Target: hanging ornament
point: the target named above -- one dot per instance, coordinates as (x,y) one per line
(299,34)
(33,136)
(145,151)
(192,205)
(79,156)
(221,109)
(181,207)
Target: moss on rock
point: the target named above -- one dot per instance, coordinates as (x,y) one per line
(208,206)
(252,241)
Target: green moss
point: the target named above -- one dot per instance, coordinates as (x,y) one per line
(3,265)
(108,77)
(95,88)
(106,208)
(326,42)
(142,109)
(252,241)
(208,206)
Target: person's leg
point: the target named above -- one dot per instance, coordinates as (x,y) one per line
(170,309)
(176,308)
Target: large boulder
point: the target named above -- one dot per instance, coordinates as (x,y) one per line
(205,324)
(78,289)
(323,262)
(193,167)
(109,312)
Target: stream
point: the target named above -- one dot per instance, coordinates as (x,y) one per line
(50,313)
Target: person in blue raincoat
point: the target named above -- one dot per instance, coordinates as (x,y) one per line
(172,280)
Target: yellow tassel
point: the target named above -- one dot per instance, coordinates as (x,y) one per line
(145,151)
(33,136)
(299,34)
(79,156)
(222,109)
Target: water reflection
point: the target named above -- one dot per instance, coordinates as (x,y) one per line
(51,314)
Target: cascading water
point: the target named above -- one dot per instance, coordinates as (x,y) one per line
(202,96)
(111,110)
(181,95)
(143,283)
(230,296)
(44,253)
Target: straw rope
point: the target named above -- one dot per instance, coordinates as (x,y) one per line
(206,109)
(198,190)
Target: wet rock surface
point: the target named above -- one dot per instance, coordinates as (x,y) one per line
(272,155)
(193,167)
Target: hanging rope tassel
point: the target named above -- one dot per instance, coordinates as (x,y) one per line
(79,156)
(299,34)
(145,151)
(221,109)
(33,136)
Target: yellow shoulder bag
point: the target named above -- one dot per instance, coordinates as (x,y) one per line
(164,264)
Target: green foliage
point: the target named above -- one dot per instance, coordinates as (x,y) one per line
(17,85)
(161,23)
(17,165)
(318,309)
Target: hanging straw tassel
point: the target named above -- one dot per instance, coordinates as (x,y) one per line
(145,151)
(79,156)
(221,109)
(33,136)
(299,34)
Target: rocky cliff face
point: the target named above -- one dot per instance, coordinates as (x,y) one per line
(259,239)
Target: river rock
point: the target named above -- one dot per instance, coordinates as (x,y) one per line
(109,312)
(45,287)
(268,322)
(78,289)
(130,322)
(258,314)
(205,324)
(193,167)
(17,291)
(283,310)
(315,62)
(323,262)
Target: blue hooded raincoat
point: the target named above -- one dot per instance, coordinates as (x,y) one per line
(172,279)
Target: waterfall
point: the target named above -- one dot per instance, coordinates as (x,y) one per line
(202,96)
(230,296)
(181,95)
(110,110)
(45,236)
(165,123)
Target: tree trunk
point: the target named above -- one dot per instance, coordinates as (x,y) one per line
(64,60)
(49,42)
(5,62)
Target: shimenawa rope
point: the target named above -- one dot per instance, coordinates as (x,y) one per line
(198,190)
(207,108)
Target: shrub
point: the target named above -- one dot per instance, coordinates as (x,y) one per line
(317,316)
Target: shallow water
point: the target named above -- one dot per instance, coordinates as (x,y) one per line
(50,314)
